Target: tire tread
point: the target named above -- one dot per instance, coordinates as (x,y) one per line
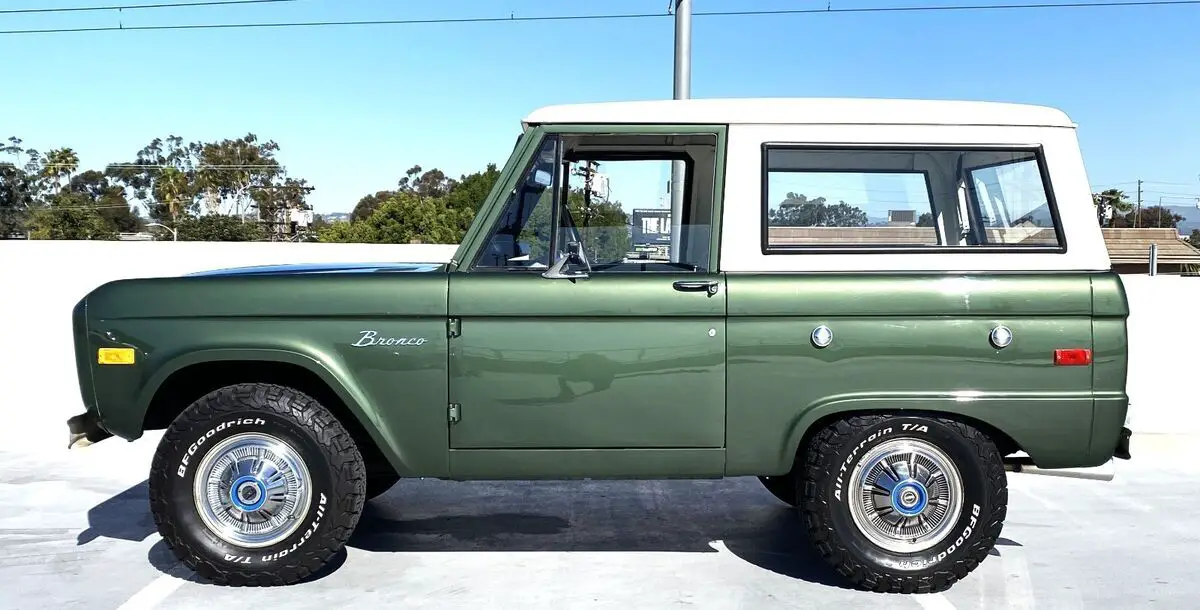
(337,445)
(826,541)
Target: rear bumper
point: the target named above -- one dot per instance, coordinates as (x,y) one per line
(84,429)
(1122,449)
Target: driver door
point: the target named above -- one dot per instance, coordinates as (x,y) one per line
(624,347)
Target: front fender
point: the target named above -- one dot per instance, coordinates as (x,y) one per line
(397,393)
(1054,429)
(332,373)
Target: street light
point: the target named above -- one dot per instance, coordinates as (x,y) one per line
(174,232)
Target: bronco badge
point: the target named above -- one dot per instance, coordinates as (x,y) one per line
(370,337)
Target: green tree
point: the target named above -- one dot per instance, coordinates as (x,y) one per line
(163,177)
(57,168)
(218,227)
(432,183)
(1115,199)
(1153,217)
(455,202)
(234,170)
(468,194)
(18,187)
(70,216)
(368,204)
(1194,238)
(108,198)
(603,228)
(403,218)
(797,210)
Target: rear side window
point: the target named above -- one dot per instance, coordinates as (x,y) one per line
(906,199)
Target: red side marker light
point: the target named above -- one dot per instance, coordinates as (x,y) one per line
(1072,357)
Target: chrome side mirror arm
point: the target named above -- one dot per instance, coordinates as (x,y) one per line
(574,255)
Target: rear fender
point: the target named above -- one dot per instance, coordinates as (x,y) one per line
(1054,430)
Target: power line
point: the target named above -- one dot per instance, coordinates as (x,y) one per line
(132,7)
(155,166)
(612,16)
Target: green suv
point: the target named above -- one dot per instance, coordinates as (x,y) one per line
(877,307)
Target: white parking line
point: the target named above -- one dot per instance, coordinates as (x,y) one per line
(934,601)
(158,589)
(1018,585)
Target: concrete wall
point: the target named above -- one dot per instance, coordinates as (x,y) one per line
(1164,353)
(41,281)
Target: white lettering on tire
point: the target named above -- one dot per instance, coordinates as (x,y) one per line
(917,564)
(191,450)
(837,484)
(308,533)
(312,528)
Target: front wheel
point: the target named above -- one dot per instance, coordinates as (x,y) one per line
(903,504)
(256,484)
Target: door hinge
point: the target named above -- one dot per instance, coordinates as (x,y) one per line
(453,327)
(453,413)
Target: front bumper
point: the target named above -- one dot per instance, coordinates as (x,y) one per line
(84,429)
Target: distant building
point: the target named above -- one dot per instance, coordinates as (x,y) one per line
(902,218)
(1129,250)
(651,227)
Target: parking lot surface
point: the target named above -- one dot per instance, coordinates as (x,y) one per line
(75,531)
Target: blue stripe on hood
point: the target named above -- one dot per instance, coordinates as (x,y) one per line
(299,268)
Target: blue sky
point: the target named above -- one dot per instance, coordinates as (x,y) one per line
(353,107)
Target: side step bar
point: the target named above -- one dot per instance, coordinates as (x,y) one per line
(1105,472)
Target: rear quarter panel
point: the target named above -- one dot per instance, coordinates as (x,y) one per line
(907,342)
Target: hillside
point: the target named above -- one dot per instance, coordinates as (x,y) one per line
(1191,215)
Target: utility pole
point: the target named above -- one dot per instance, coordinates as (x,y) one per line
(1138,212)
(683,91)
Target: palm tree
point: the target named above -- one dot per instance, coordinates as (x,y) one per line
(60,166)
(172,189)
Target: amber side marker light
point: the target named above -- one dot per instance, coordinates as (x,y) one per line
(1072,357)
(115,355)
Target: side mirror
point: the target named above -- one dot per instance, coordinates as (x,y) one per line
(541,178)
(575,256)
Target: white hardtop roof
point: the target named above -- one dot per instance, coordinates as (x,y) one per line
(857,111)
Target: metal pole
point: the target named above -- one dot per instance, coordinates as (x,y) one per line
(1153,259)
(682,91)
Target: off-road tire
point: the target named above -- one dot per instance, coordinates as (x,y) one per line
(335,466)
(781,486)
(835,450)
(379,484)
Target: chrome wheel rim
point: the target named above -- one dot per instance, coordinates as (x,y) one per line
(252,490)
(906,495)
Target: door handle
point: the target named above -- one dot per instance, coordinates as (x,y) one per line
(709,286)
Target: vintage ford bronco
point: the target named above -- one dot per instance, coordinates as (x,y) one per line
(877,307)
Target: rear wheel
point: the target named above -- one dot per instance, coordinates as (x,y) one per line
(903,504)
(256,484)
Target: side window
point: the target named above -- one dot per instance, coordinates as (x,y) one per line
(521,236)
(620,212)
(1013,205)
(898,199)
(612,194)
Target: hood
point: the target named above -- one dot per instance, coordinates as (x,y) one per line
(304,268)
